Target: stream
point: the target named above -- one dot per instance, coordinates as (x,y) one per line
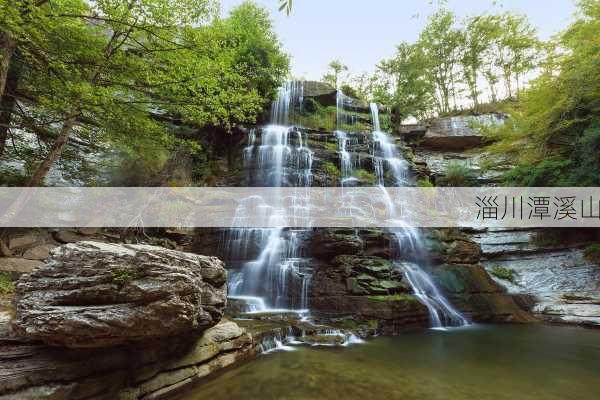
(480,362)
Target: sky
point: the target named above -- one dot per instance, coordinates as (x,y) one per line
(361,33)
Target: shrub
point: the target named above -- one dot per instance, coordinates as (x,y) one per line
(545,173)
(331,170)
(424,183)
(457,175)
(365,176)
(506,274)
(592,253)
(7,286)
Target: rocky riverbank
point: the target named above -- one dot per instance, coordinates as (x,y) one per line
(109,321)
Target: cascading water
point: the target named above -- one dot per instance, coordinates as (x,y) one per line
(277,275)
(387,157)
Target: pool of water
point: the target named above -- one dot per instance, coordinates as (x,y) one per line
(481,362)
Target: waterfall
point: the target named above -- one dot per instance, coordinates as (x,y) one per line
(270,262)
(387,157)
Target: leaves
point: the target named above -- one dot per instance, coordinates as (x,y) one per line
(135,72)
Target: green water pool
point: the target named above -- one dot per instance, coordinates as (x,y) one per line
(479,363)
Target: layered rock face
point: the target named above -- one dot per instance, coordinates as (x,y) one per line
(459,274)
(549,266)
(122,321)
(153,369)
(92,294)
(354,278)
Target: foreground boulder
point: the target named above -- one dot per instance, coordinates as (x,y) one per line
(92,294)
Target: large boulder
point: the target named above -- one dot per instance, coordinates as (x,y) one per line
(92,294)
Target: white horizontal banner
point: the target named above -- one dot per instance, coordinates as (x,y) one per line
(299,207)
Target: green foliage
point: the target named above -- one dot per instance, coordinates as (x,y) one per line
(333,172)
(124,275)
(333,75)
(450,59)
(545,173)
(553,133)
(457,175)
(365,176)
(592,253)
(424,183)
(506,274)
(128,78)
(7,286)
(323,118)
(393,298)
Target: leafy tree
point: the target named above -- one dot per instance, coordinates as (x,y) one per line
(553,132)
(477,39)
(516,50)
(335,70)
(440,42)
(135,74)
(404,83)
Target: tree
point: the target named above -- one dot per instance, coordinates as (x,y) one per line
(440,42)
(478,38)
(553,134)
(130,74)
(335,70)
(404,83)
(516,50)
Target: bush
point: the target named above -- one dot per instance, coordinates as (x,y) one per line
(457,175)
(424,183)
(331,170)
(7,286)
(592,253)
(545,173)
(506,274)
(365,176)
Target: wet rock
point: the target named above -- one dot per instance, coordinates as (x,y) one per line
(149,370)
(92,294)
(328,243)
(463,252)
(471,289)
(323,339)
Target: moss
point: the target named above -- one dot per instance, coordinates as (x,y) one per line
(124,275)
(506,274)
(7,286)
(373,324)
(331,169)
(395,297)
(592,253)
(424,183)
(365,176)
(330,146)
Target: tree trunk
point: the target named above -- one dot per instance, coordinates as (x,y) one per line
(54,154)
(7,103)
(7,49)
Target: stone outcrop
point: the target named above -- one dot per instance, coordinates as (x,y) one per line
(459,274)
(549,266)
(453,141)
(93,294)
(153,369)
(354,278)
(108,321)
(458,133)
